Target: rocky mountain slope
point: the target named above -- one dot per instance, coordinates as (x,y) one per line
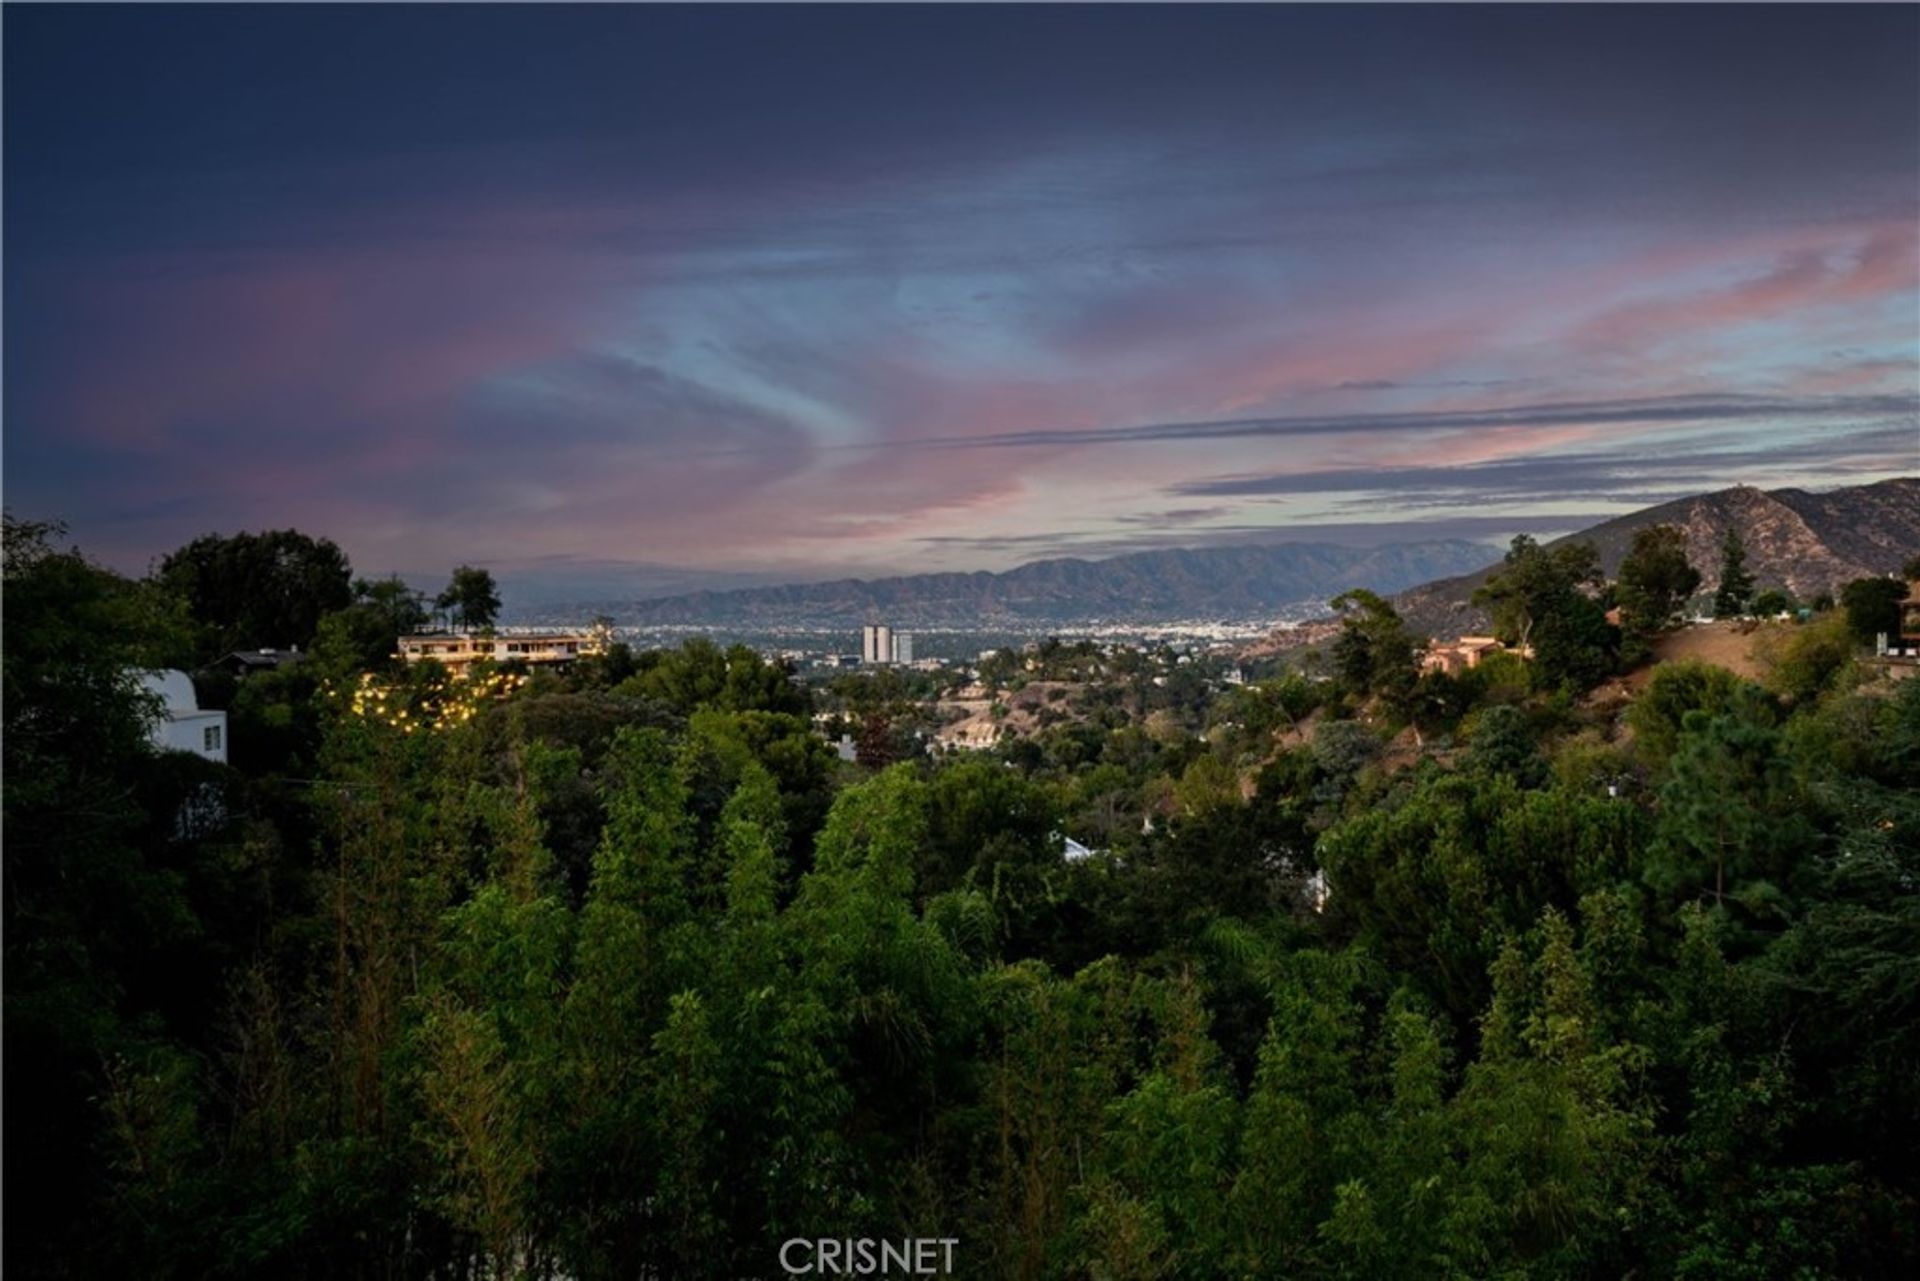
(1239,582)
(1805,542)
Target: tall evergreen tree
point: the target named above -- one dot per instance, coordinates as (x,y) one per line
(1736,584)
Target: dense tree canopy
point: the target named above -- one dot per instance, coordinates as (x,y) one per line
(258,591)
(622,972)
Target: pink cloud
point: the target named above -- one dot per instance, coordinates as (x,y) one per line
(1808,277)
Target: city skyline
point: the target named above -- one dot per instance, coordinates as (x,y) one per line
(805,291)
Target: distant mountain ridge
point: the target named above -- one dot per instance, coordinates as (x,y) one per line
(1240,582)
(1806,542)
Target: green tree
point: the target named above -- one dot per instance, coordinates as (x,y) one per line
(471,598)
(1429,882)
(1807,659)
(1159,1197)
(1375,653)
(1655,581)
(475,1126)
(1340,751)
(404,607)
(1733,820)
(99,920)
(1304,1136)
(1736,583)
(1658,716)
(1539,599)
(365,636)
(1557,1137)
(879,742)
(989,824)
(1502,742)
(1873,607)
(257,591)
(701,674)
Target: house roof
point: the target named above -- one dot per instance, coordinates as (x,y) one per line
(175,690)
(254,660)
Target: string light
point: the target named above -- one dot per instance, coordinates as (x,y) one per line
(440,708)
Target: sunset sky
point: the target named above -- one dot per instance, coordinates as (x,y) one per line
(801,291)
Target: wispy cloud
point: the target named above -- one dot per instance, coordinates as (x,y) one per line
(1691,465)
(1633,411)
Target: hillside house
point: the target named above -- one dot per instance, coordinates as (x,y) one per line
(1455,657)
(458,651)
(243,663)
(181,725)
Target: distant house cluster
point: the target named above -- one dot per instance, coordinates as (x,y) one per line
(881,645)
(459,651)
(1464,654)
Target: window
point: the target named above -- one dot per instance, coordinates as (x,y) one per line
(210,738)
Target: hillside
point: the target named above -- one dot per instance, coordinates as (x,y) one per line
(1806,542)
(1218,582)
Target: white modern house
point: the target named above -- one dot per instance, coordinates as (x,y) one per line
(458,651)
(182,726)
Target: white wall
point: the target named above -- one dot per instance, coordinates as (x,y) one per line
(183,727)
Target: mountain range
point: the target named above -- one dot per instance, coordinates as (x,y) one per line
(1235,582)
(1803,541)
(1807,543)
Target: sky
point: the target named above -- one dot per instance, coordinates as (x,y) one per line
(664,295)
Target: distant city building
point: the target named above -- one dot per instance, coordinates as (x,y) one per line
(182,726)
(881,645)
(458,651)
